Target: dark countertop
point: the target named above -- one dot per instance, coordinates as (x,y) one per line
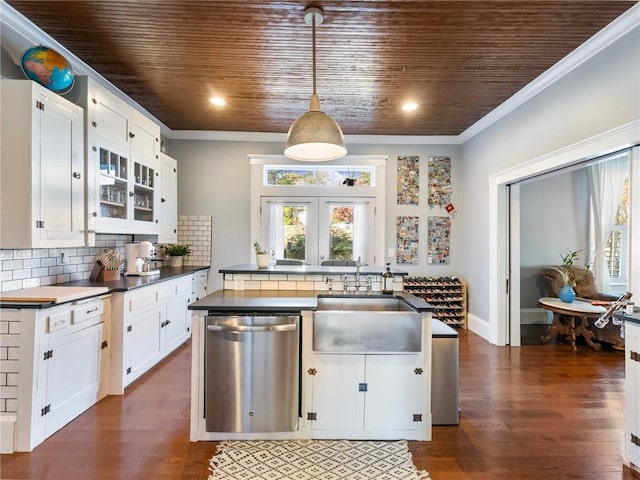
(633,318)
(245,301)
(309,270)
(125,283)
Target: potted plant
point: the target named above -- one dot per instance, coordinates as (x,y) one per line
(567,293)
(176,253)
(262,257)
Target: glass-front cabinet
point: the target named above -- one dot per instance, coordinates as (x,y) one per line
(113,184)
(125,197)
(144,185)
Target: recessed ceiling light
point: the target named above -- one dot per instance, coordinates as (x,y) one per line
(409,106)
(218,101)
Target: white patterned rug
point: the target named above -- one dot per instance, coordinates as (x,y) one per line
(314,460)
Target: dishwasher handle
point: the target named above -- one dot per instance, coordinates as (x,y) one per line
(288,327)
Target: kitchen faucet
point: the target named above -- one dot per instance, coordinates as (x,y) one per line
(358,265)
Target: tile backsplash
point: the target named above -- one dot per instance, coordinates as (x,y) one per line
(195,231)
(38,267)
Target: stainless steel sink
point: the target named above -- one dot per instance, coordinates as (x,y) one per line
(366,325)
(365,303)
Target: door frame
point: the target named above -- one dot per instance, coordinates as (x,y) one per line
(626,136)
(259,190)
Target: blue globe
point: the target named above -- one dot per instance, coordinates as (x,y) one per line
(48,68)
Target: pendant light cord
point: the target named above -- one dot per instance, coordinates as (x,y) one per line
(313,41)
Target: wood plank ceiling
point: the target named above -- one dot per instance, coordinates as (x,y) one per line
(457,59)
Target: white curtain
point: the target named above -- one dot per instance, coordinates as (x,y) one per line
(274,229)
(606,182)
(359,232)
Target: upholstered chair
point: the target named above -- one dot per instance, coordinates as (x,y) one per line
(586,290)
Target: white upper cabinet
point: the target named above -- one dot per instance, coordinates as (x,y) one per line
(168,232)
(42,166)
(144,136)
(123,168)
(107,115)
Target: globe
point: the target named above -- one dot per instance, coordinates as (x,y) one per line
(48,68)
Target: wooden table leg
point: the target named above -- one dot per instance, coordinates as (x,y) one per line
(552,331)
(583,329)
(572,332)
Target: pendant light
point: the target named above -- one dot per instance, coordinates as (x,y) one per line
(315,136)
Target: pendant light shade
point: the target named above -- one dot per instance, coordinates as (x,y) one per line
(315,136)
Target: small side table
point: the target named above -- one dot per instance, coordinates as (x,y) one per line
(575,311)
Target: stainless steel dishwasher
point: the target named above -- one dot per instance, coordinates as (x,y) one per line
(252,372)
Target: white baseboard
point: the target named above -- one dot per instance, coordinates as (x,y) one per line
(479,326)
(7,433)
(535,316)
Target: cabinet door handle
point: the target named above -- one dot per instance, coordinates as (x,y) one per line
(162,200)
(94,124)
(76,174)
(94,214)
(131,194)
(131,134)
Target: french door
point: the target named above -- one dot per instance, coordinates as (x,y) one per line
(315,229)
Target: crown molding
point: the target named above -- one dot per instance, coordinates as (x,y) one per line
(282,137)
(601,40)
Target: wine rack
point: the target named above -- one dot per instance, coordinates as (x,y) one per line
(447,295)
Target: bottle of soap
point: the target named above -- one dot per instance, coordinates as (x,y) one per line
(387,280)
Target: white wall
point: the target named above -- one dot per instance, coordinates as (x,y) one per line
(214,179)
(597,96)
(554,214)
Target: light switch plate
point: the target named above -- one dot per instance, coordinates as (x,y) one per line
(391,253)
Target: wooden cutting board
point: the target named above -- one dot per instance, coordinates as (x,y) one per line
(51,294)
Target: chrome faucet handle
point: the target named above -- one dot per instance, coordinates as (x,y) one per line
(329,282)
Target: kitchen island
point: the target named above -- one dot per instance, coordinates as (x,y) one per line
(378,388)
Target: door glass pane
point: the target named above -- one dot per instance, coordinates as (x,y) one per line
(294,220)
(341,233)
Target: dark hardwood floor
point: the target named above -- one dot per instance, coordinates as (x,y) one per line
(531,412)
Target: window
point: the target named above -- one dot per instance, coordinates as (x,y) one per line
(617,248)
(319,176)
(315,229)
(318,212)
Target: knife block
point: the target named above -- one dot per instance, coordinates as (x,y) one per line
(99,274)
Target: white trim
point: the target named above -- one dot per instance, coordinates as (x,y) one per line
(601,40)
(535,316)
(220,135)
(608,142)
(512,333)
(624,136)
(372,160)
(479,326)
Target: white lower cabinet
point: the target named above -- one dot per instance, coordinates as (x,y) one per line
(142,349)
(64,357)
(632,399)
(366,396)
(148,323)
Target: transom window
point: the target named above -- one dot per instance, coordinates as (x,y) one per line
(319,212)
(319,175)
